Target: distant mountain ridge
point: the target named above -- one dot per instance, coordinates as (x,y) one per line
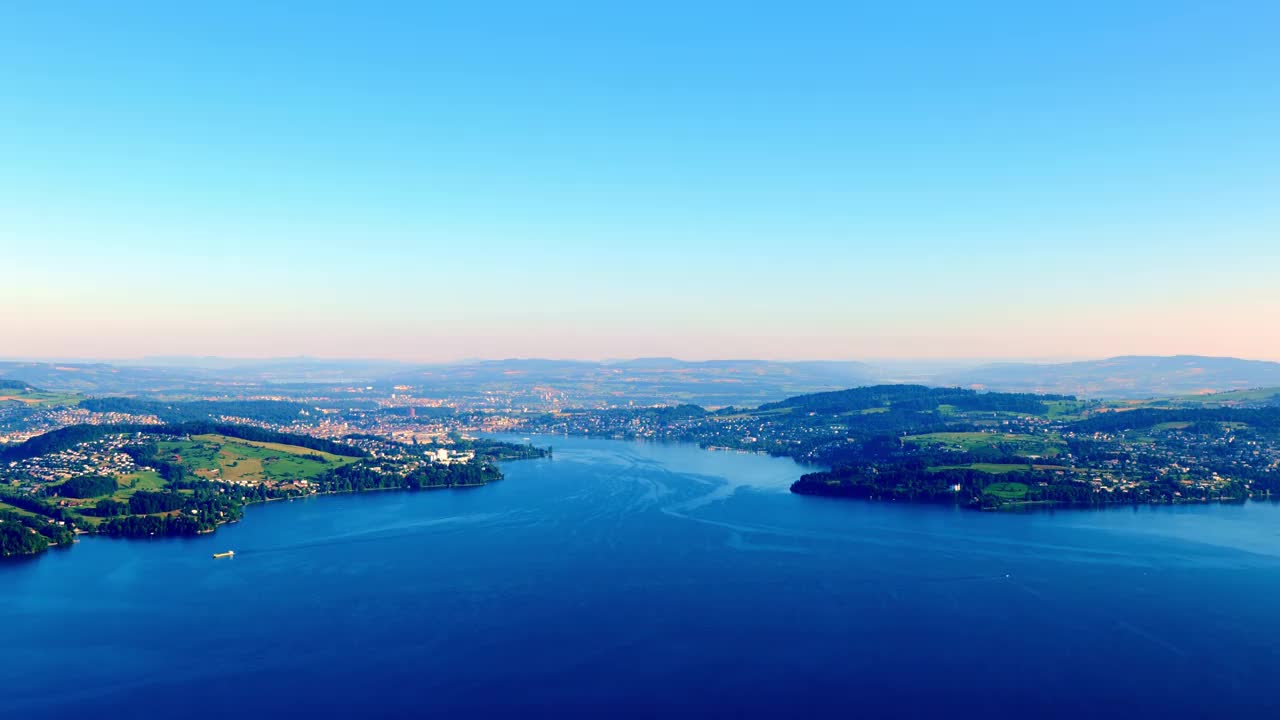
(640,381)
(1132,376)
(657,380)
(645,381)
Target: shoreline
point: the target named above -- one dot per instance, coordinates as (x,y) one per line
(1032,505)
(327,493)
(247,504)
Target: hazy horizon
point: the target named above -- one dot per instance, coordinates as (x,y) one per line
(901,362)
(820,181)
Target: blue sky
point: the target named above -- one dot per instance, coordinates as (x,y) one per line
(808,180)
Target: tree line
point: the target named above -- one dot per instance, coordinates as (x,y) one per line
(69,437)
(916,397)
(1265,418)
(280,412)
(85,486)
(25,535)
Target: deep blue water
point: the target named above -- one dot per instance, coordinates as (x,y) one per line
(637,579)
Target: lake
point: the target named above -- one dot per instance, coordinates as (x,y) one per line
(630,579)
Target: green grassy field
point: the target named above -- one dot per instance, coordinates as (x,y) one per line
(194,455)
(1049,445)
(219,457)
(133,482)
(1258,395)
(127,485)
(998,468)
(1152,434)
(747,414)
(1007,490)
(1065,409)
(40,398)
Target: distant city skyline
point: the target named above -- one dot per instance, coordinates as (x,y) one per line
(568,180)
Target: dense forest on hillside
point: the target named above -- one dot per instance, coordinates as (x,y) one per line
(1267,418)
(69,437)
(86,486)
(65,438)
(279,412)
(361,476)
(915,398)
(26,535)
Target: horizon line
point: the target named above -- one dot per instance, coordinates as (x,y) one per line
(992,360)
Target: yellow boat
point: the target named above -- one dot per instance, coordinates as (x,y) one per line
(227,554)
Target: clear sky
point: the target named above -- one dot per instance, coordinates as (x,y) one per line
(433,181)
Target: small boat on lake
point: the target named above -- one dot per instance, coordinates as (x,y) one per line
(227,554)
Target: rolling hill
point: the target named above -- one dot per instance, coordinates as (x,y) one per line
(1122,377)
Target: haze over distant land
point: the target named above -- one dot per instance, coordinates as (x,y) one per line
(649,380)
(826,180)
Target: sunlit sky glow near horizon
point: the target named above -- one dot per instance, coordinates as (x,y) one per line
(810,180)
